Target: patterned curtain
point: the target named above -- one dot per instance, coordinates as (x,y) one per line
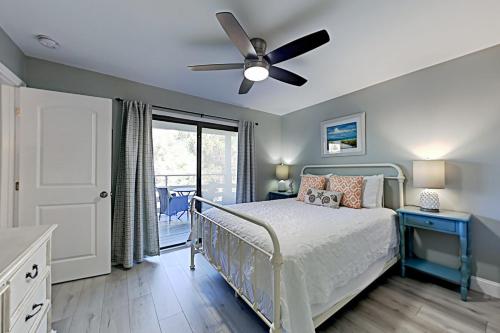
(135,228)
(245,178)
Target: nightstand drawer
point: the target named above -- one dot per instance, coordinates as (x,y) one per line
(430,223)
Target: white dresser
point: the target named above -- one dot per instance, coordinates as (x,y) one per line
(25,285)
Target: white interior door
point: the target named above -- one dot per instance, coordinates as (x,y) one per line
(64,153)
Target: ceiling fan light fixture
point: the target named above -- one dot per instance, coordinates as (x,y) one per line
(256,73)
(256,70)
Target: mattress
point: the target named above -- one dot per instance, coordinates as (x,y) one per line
(327,254)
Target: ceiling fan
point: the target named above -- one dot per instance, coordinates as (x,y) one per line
(258,65)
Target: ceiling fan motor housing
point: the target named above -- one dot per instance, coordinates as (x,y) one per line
(256,63)
(259,45)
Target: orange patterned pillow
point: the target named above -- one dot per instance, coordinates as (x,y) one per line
(310,181)
(351,186)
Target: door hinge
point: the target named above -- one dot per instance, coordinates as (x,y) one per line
(17,186)
(18,111)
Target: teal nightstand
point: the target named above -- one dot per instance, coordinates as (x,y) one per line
(275,195)
(449,222)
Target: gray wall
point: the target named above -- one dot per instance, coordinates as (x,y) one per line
(51,76)
(437,112)
(11,56)
(449,111)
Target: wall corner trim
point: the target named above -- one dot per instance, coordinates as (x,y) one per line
(9,77)
(488,287)
(7,149)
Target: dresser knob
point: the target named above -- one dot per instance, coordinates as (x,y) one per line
(31,275)
(429,222)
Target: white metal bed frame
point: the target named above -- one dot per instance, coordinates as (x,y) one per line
(276,259)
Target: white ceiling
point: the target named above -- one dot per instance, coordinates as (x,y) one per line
(152,41)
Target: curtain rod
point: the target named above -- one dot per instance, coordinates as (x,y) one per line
(201,115)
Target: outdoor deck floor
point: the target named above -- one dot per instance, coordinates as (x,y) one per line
(174,232)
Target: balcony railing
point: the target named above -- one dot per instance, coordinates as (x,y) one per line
(218,187)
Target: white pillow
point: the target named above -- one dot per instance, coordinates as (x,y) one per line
(327,177)
(373,191)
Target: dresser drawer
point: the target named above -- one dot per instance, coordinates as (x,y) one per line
(430,223)
(30,273)
(32,310)
(43,326)
(3,291)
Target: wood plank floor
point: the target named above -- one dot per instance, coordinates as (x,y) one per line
(163,295)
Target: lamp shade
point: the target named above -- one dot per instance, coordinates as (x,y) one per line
(282,172)
(428,174)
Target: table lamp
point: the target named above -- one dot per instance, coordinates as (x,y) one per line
(428,174)
(282,175)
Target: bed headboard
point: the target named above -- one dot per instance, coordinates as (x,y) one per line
(391,172)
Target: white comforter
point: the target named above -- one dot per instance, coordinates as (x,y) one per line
(323,249)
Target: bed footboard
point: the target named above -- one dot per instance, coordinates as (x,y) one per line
(200,245)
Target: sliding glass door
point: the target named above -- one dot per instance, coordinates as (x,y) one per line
(191,157)
(219,150)
(175,164)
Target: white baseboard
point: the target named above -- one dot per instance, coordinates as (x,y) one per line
(484,286)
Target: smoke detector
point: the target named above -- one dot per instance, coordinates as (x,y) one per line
(47,41)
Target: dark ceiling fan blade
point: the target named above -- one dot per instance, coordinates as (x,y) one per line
(298,47)
(216,67)
(236,34)
(245,86)
(283,75)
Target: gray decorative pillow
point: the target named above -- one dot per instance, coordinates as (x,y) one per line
(323,198)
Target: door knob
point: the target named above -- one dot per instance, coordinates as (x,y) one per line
(103,194)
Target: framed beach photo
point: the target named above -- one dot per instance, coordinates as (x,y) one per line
(343,136)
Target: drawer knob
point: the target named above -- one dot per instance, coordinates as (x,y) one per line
(34,274)
(429,222)
(37,308)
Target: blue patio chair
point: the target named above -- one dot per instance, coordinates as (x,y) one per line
(172,204)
